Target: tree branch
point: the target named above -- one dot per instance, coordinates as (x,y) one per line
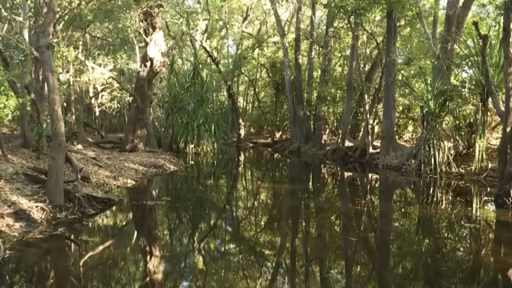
(125,89)
(489,83)
(423,24)
(462,16)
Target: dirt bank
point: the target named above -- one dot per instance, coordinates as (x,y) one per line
(24,209)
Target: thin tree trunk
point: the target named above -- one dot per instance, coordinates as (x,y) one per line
(349,95)
(72,106)
(37,86)
(152,64)
(503,177)
(323,82)
(230,92)
(369,79)
(310,73)
(57,153)
(2,147)
(389,118)
(24,117)
(435,23)
(286,72)
(302,129)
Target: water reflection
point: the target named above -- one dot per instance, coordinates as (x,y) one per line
(257,220)
(142,205)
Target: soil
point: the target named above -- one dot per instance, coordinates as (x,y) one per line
(24,208)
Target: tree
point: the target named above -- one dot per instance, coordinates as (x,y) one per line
(152,63)
(292,116)
(503,194)
(388,139)
(347,108)
(57,153)
(323,82)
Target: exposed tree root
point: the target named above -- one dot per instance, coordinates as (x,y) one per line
(79,200)
(78,169)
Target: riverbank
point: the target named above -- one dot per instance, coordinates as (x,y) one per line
(352,158)
(24,208)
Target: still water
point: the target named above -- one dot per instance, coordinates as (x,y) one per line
(262,221)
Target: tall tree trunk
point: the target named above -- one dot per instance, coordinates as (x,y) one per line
(310,73)
(24,116)
(57,153)
(369,79)
(323,82)
(503,193)
(388,139)
(152,64)
(292,121)
(302,126)
(37,87)
(71,112)
(349,95)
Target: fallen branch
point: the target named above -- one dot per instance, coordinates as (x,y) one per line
(39,179)
(95,251)
(89,125)
(78,169)
(100,142)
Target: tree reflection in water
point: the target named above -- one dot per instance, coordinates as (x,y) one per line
(142,205)
(260,220)
(502,249)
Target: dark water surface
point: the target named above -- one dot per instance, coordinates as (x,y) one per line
(257,222)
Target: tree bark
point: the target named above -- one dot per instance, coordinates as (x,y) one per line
(152,64)
(324,78)
(302,126)
(26,133)
(488,82)
(369,80)
(349,95)
(286,71)
(2,148)
(57,153)
(388,138)
(310,73)
(503,192)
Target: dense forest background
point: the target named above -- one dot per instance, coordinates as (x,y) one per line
(425,80)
